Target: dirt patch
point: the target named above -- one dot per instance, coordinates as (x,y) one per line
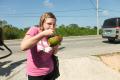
(111,60)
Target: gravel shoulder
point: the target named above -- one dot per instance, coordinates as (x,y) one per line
(111,60)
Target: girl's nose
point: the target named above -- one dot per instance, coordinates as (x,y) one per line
(52,27)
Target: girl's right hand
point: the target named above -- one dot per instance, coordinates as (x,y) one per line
(48,32)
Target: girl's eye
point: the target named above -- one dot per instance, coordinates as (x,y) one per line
(49,24)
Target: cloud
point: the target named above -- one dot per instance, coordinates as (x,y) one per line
(47,3)
(105,13)
(7,10)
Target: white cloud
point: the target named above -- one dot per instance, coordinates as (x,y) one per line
(7,10)
(47,3)
(105,13)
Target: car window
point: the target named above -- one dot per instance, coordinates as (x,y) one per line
(119,22)
(109,23)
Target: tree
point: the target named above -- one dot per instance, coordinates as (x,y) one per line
(2,23)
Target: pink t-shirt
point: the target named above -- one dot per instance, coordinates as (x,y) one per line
(38,62)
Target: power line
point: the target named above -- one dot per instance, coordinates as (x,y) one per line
(92,4)
(56,16)
(51,11)
(37,14)
(110,10)
(17,14)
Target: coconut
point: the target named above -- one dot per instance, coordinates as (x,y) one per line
(55,40)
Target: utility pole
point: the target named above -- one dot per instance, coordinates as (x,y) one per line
(97,15)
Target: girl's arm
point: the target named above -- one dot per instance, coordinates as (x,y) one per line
(29,41)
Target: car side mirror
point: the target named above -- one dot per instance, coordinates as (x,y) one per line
(1,36)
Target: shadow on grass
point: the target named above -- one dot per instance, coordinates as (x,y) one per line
(6,70)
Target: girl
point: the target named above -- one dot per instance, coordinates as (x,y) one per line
(40,63)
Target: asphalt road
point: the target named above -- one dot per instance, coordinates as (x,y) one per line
(73,46)
(72,50)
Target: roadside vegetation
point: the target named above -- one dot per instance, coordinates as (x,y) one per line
(13,32)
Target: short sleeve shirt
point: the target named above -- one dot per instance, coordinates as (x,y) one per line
(38,62)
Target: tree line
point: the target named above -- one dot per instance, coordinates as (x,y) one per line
(13,32)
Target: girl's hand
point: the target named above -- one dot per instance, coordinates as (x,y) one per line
(48,32)
(55,49)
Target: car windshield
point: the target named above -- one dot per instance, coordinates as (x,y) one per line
(119,22)
(109,23)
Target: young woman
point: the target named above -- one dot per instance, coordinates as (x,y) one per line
(39,62)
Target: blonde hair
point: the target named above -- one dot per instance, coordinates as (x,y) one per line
(44,17)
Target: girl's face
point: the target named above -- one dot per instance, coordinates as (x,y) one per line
(49,23)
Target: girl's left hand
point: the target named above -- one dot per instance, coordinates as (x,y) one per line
(55,49)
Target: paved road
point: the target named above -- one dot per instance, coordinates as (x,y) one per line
(86,46)
(76,62)
(72,43)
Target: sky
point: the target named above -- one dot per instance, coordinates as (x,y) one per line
(26,13)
